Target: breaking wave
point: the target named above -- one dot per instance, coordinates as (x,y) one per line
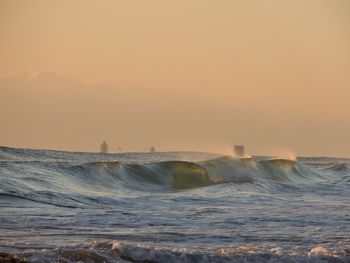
(56,178)
(180,175)
(155,176)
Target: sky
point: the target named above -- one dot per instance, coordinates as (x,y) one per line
(188,75)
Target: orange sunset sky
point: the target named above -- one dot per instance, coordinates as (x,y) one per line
(179,75)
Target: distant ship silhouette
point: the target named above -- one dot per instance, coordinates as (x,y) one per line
(104,147)
(239,150)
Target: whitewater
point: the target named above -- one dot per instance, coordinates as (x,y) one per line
(172,207)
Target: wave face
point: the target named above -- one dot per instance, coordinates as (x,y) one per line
(172,207)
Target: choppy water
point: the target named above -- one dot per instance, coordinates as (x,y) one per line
(172,207)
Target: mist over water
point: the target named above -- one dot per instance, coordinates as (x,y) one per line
(172,207)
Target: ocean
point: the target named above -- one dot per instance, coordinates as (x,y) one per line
(172,207)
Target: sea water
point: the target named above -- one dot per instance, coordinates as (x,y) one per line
(172,207)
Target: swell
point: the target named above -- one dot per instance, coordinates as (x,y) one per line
(339,167)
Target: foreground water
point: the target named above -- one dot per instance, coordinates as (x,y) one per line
(172,207)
